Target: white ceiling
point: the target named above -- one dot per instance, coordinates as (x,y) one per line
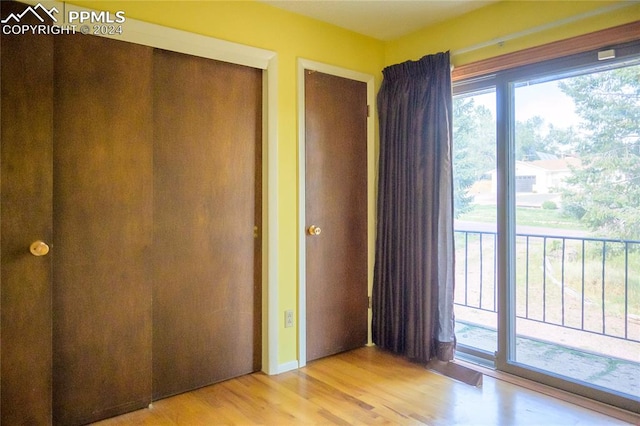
(380,19)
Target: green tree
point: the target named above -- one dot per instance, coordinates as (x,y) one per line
(529,139)
(474,141)
(605,191)
(561,141)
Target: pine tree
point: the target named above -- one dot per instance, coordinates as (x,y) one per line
(605,191)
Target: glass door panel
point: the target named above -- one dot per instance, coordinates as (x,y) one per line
(474,169)
(577,216)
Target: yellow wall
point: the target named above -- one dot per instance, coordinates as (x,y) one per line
(292,36)
(505,18)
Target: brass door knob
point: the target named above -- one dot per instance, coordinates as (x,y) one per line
(314,230)
(39,248)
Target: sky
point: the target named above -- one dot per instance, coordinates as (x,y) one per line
(543,99)
(547,101)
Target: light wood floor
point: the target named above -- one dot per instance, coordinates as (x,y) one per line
(365,386)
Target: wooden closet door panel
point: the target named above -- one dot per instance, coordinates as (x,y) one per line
(103,177)
(207,124)
(26,201)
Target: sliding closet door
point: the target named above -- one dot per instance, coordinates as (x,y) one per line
(103,178)
(207,124)
(26,133)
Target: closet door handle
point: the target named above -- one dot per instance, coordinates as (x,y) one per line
(39,248)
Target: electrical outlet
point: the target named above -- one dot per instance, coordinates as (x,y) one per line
(288,318)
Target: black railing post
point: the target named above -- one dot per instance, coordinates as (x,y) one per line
(626,290)
(544,279)
(583,295)
(466,268)
(562,279)
(604,260)
(481,271)
(526,278)
(495,268)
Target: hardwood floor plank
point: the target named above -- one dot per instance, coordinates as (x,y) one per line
(191,409)
(287,400)
(364,386)
(402,391)
(336,402)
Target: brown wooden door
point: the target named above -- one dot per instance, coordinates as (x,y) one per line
(206,321)
(336,201)
(141,169)
(26,203)
(103,218)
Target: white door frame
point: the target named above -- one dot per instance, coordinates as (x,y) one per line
(157,36)
(305,64)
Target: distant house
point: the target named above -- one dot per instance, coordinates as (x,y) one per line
(540,176)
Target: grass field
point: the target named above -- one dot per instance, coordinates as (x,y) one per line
(527,216)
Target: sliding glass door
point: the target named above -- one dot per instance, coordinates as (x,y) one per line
(577,242)
(475,210)
(548,273)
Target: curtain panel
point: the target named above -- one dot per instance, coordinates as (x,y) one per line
(414,262)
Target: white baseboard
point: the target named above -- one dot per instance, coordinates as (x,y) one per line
(287,366)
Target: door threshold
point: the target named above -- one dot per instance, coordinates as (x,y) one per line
(590,404)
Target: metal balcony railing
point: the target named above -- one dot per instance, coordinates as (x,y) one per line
(582,283)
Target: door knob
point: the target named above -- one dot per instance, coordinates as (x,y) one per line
(39,248)
(314,230)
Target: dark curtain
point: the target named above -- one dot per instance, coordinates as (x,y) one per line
(414,265)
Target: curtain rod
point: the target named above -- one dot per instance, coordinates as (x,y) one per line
(501,40)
